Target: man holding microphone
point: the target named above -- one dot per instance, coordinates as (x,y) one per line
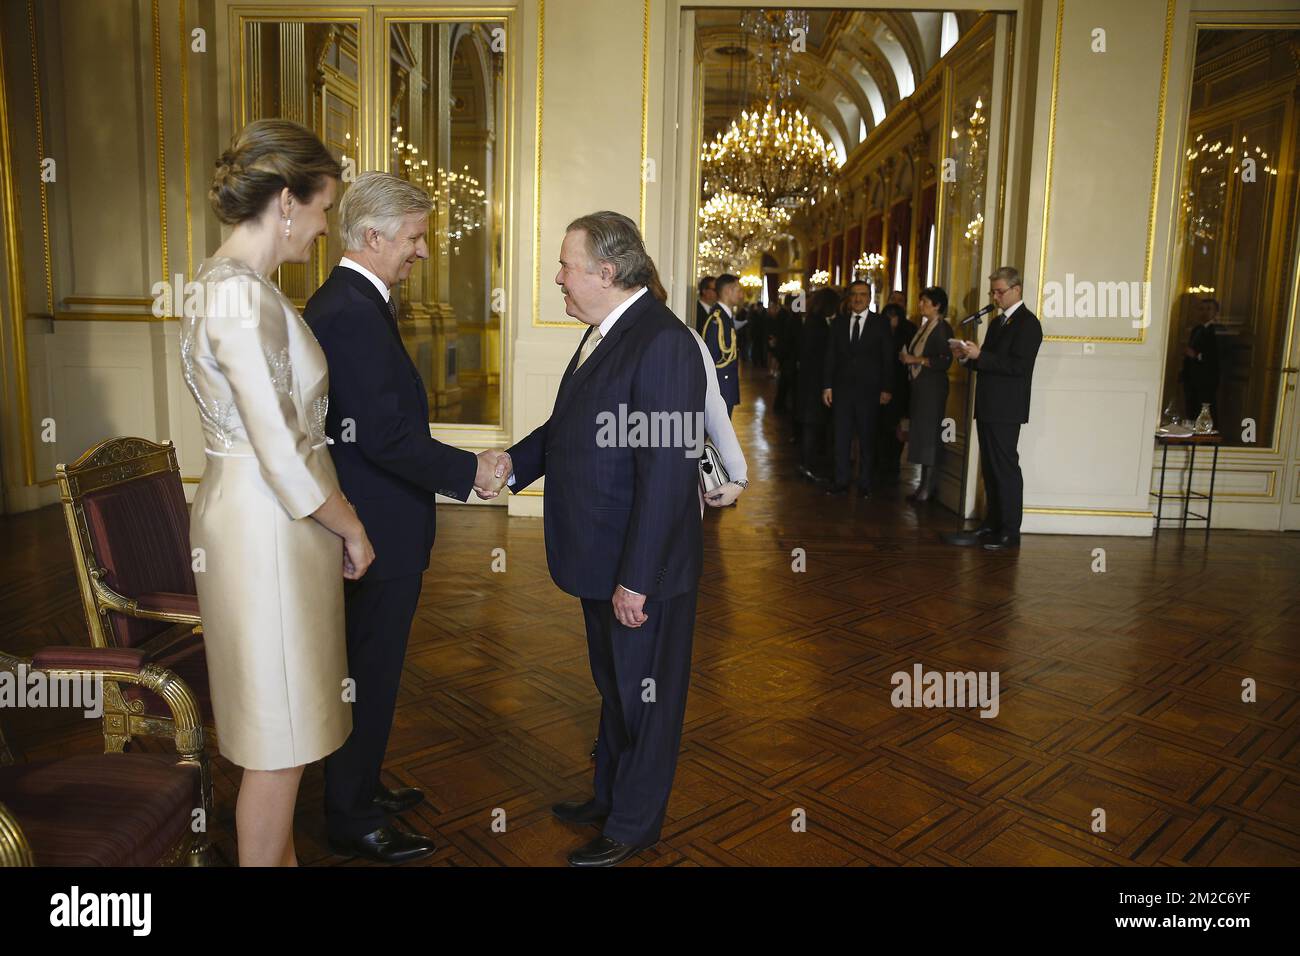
(1004,367)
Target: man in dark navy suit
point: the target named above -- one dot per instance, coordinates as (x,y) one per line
(857,379)
(390,468)
(704,304)
(622,521)
(1004,374)
(1200,374)
(720,336)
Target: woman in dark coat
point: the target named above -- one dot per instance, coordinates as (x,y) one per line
(889,449)
(809,409)
(927,358)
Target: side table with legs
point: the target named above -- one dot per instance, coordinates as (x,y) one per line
(1190,442)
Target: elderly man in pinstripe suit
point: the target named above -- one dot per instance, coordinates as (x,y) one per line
(622,524)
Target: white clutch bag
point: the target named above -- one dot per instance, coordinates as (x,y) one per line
(712,475)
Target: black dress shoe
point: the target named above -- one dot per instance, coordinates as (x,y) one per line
(582,812)
(602,851)
(398,801)
(837,490)
(966,539)
(1003,542)
(594,744)
(386,845)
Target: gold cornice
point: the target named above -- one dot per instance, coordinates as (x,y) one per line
(1156,164)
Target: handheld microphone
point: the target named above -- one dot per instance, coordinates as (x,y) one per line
(975,318)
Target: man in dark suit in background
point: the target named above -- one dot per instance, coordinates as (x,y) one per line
(1004,367)
(720,336)
(1201,362)
(708,298)
(390,468)
(857,377)
(622,523)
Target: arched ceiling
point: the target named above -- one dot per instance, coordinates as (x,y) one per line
(857,66)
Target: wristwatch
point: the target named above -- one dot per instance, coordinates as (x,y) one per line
(742,482)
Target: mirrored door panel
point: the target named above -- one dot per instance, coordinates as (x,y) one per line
(308,71)
(445,110)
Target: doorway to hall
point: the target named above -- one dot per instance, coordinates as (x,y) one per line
(846,145)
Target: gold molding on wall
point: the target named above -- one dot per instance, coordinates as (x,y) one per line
(1089,512)
(40,157)
(1219,472)
(184,53)
(162,142)
(17,295)
(1155,179)
(537,162)
(645,107)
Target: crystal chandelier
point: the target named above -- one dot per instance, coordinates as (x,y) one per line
(778,34)
(465,201)
(870,266)
(774,155)
(734,228)
(970,152)
(772,152)
(1206,182)
(460,194)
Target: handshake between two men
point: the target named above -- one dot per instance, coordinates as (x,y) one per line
(494,469)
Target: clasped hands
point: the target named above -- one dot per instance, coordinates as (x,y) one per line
(494,468)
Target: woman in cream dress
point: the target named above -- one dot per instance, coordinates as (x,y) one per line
(277,535)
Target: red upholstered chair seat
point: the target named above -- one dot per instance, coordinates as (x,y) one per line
(102,809)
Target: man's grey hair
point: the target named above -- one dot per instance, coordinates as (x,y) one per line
(1008,274)
(378,201)
(614,238)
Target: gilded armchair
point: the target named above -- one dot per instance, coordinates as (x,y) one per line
(124,507)
(109,809)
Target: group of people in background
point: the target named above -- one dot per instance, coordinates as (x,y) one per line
(848,372)
(843,371)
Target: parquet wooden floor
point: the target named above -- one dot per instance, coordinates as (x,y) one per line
(1119,690)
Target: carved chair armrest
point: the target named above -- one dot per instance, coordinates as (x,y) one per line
(125,665)
(143,607)
(14,849)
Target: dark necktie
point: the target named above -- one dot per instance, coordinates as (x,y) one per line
(392,311)
(857,330)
